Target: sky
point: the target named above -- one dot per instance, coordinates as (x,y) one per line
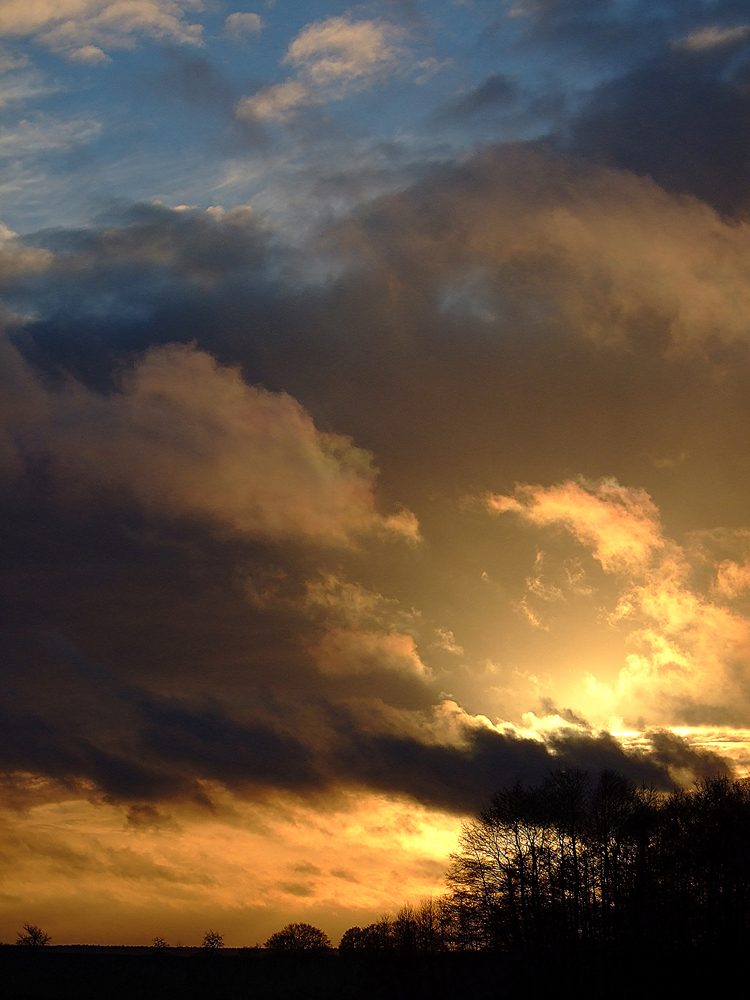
(374,432)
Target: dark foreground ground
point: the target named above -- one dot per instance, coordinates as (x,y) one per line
(141,974)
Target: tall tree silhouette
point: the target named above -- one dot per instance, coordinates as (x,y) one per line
(572,860)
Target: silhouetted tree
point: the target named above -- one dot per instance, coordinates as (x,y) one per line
(353,939)
(160,944)
(32,937)
(212,940)
(298,937)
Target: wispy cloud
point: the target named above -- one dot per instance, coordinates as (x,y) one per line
(332,59)
(713,38)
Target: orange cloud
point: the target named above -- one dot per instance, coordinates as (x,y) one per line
(620,525)
(732,578)
(688,654)
(343,651)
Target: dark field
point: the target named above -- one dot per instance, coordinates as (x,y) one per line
(141,974)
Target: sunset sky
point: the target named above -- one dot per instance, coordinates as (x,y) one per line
(374,431)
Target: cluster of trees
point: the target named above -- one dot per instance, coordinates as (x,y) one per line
(430,927)
(574,860)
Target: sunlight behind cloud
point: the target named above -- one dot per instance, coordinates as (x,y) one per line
(688,653)
(248,868)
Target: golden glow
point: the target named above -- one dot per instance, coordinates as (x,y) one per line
(246,870)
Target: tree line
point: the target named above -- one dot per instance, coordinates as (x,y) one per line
(583,861)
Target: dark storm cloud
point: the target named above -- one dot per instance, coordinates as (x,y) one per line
(682,119)
(139,270)
(137,663)
(80,724)
(667,749)
(613,34)
(461,778)
(151,238)
(88,725)
(671,101)
(499,320)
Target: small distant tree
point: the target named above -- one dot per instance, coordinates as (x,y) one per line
(298,937)
(160,944)
(212,940)
(32,937)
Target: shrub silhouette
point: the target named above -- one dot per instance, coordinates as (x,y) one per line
(160,944)
(32,937)
(298,937)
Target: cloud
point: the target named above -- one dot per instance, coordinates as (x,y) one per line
(88,731)
(63,855)
(29,138)
(189,438)
(17,259)
(732,578)
(156,496)
(10,61)
(347,603)
(621,525)
(341,50)
(175,502)
(276,103)
(240,25)
(19,83)
(204,433)
(447,641)
(348,651)
(688,651)
(711,38)
(332,58)
(609,255)
(193,78)
(91,55)
(82,29)
(151,242)
(458,777)
(677,118)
